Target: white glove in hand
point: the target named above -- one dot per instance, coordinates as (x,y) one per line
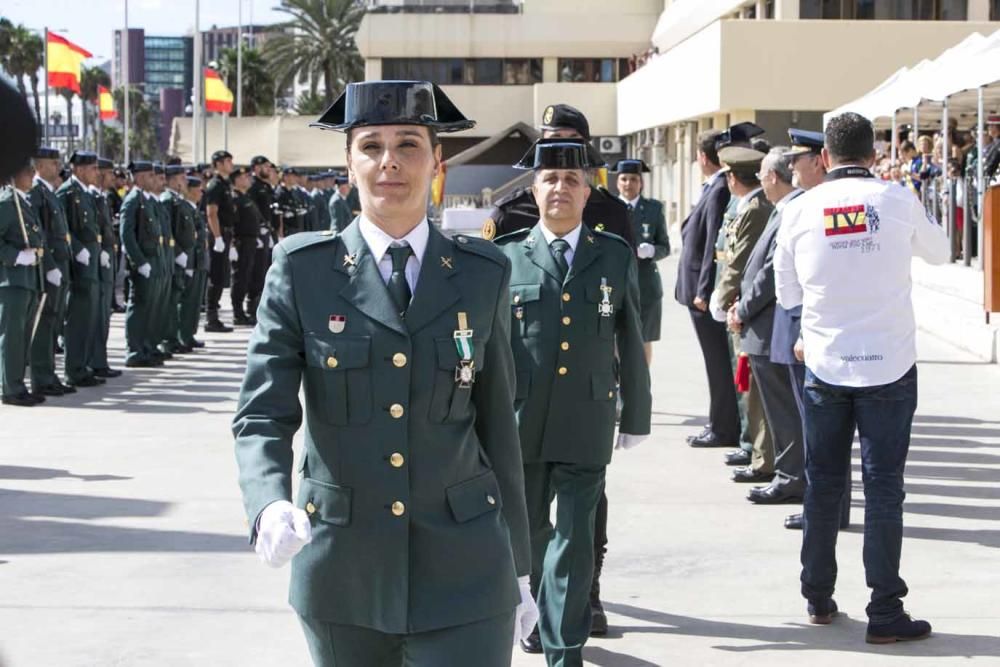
(233,255)
(220,245)
(282,531)
(260,244)
(25,258)
(646,250)
(54,276)
(181,260)
(105,259)
(83,256)
(189,273)
(628,441)
(716,309)
(526,614)
(145,270)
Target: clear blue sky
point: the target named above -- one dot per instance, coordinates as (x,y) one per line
(90,23)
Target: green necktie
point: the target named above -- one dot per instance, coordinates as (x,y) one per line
(399,289)
(559,248)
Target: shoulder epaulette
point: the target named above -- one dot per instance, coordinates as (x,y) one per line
(480,247)
(297,242)
(608,235)
(512,236)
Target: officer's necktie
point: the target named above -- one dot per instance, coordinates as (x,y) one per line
(559,248)
(399,289)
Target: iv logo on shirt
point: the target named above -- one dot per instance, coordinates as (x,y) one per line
(845,220)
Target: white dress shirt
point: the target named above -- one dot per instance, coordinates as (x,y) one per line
(39,179)
(378,243)
(631,202)
(572,238)
(850,272)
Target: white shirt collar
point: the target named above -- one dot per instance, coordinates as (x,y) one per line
(787,198)
(78,182)
(631,202)
(572,237)
(714,177)
(745,200)
(24,195)
(94,190)
(39,179)
(378,241)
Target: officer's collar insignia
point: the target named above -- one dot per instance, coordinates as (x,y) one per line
(351,260)
(446,262)
(530,241)
(590,239)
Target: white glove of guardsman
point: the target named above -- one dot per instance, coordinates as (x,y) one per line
(628,441)
(105,259)
(83,256)
(233,255)
(220,245)
(282,530)
(25,258)
(145,270)
(526,615)
(645,250)
(54,276)
(181,260)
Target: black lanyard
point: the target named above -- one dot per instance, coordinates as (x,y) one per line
(848,172)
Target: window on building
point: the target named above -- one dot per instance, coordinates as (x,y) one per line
(995,10)
(885,10)
(769,9)
(465,71)
(589,70)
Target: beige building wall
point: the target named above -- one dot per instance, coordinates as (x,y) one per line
(494,108)
(282,139)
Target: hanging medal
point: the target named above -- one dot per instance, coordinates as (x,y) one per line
(605,308)
(645,231)
(465,372)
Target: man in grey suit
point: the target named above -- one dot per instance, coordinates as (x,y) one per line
(752,315)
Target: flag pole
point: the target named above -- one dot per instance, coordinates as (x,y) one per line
(45,121)
(196,119)
(225,130)
(239,60)
(127,88)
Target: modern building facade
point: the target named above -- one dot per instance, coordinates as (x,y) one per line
(215,39)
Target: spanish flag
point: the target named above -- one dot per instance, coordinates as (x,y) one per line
(65,58)
(105,103)
(217,96)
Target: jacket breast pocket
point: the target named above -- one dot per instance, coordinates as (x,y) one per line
(526,310)
(339,371)
(603,306)
(451,397)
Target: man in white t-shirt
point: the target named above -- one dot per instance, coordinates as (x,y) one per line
(844,252)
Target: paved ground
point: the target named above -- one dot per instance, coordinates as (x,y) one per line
(122,539)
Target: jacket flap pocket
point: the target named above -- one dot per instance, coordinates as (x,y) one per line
(447,353)
(474,497)
(338,353)
(524,293)
(602,386)
(326,502)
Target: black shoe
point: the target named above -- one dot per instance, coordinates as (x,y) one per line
(107,372)
(47,390)
(710,440)
(533,642)
(117,308)
(748,475)
(59,349)
(738,457)
(164,354)
(24,400)
(253,320)
(66,389)
(217,327)
(139,362)
(598,619)
(821,612)
(705,432)
(903,629)
(86,381)
(197,344)
(183,349)
(242,320)
(793,521)
(773,494)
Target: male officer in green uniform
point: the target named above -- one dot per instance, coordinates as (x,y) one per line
(140,233)
(182,232)
(22,249)
(97,359)
(321,208)
(84,295)
(164,281)
(293,209)
(196,272)
(410,527)
(575,308)
(340,209)
(649,226)
(56,260)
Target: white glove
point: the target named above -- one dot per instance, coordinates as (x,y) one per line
(260,244)
(181,260)
(716,309)
(220,245)
(105,259)
(646,250)
(54,276)
(628,441)
(264,231)
(145,270)
(83,256)
(233,255)
(270,242)
(189,273)
(526,614)
(25,258)
(282,531)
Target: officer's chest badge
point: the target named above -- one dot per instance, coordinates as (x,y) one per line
(337,323)
(605,308)
(519,312)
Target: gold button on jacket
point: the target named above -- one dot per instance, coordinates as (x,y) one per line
(398,508)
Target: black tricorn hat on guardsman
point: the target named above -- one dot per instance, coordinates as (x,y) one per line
(556,153)
(393,103)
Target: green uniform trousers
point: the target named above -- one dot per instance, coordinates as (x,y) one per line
(17,307)
(190,306)
(81,325)
(43,347)
(99,342)
(171,322)
(156,327)
(486,643)
(562,558)
(139,316)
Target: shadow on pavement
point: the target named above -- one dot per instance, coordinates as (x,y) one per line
(602,657)
(30,473)
(844,635)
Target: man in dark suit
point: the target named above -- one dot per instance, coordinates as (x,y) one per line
(695,282)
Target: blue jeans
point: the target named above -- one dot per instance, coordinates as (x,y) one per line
(883,416)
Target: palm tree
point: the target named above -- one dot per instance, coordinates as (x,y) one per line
(310,104)
(6,27)
(24,57)
(142,134)
(90,79)
(317,43)
(258,85)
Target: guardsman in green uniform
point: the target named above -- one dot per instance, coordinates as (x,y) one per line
(84,294)
(575,310)
(182,232)
(164,282)
(140,236)
(649,226)
(220,212)
(98,357)
(409,534)
(246,234)
(310,222)
(52,218)
(22,252)
(262,194)
(197,271)
(340,209)
(294,214)
(321,209)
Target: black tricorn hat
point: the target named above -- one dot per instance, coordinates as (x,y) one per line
(631,167)
(46,153)
(738,135)
(393,103)
(561,154)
